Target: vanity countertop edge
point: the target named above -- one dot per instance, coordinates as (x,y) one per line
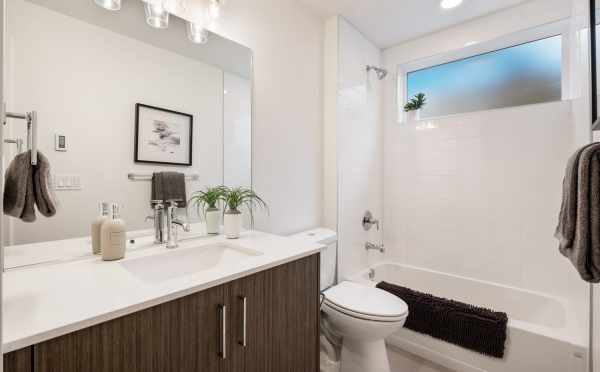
(59,305)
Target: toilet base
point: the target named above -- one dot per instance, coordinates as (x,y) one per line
(362,356)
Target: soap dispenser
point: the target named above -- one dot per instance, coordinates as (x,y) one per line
(103,212)
(114,236)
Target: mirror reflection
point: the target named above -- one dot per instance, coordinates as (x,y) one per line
(134,101)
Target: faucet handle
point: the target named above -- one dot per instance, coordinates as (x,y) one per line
(173,203)
(368,221)
(157,204)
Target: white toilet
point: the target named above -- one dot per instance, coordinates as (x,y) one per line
(363,315)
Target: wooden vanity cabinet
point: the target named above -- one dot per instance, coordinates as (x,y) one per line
(19,361)
(278,310)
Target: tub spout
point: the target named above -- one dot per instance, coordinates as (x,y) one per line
(375,247)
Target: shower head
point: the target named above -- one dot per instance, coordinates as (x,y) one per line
(381,73)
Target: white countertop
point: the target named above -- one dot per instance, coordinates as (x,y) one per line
(44,302)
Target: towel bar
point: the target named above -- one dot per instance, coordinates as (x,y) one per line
(148,177)
(31,119)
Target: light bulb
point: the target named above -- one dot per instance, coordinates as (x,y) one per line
(175,6)
(197,33)
(156,14)
(449,4)
(214,9)
(109,4)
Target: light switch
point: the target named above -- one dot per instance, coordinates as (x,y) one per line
(67,182)
(60,142)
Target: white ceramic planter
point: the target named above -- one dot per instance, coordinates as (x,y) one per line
(213,217)
(233,224)
(414,115)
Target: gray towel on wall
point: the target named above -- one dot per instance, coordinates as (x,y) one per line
(45,198)
(169,186)
(578,229)
(28,185)
(19,197)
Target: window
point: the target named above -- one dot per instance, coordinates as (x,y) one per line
(518,75)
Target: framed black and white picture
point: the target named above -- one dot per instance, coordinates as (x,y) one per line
(163,136)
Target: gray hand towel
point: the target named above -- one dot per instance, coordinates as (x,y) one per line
(169,186)
(45,198)
(578,229)
(19,197)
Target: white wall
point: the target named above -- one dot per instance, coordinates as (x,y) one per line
(287,129)
(478,194)
(84,81)
(359,148)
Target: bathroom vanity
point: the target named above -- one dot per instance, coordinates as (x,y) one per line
(258,312)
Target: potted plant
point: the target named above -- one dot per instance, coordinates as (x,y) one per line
(237,199)
(413,107)
(206,202)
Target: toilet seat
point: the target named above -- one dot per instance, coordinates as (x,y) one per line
(366,303)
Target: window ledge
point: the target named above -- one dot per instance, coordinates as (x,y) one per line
(463,114)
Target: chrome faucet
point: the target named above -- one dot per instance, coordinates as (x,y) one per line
(159,218)
(172,223)
(375,247)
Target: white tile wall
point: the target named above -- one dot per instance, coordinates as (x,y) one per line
(359,147)
(478,195)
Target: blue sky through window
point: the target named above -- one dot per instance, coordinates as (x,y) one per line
(519,75)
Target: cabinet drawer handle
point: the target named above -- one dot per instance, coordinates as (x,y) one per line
(244,300)
(223,340)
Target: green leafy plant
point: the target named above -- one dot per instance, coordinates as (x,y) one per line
(207,199)
(415,103)
(238,198)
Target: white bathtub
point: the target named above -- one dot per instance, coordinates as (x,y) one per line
(543,334)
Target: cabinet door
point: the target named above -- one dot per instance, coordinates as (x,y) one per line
(248,331)
(178,336)
(182,335)
(293,316)
(18,361)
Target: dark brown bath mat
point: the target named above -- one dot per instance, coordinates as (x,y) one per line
(465,325)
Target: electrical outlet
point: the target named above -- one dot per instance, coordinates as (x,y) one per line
(67,182)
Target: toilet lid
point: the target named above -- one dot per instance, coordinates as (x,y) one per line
(358,299)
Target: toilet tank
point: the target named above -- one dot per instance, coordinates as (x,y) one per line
(327,238)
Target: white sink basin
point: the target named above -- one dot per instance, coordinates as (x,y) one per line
(180,262)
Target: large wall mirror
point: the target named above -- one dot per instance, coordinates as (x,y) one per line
(84,70)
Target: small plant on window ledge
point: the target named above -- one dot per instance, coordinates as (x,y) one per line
(416,103)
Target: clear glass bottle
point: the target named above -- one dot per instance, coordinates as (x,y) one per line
(103,212)
(114,236)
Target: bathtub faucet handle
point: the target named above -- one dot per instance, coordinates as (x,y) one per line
(368,221)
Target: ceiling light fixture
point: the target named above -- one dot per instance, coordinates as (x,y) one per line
(156,14)
(109,4)
(449,4)
(196,33)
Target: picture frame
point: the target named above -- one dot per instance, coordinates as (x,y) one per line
(163,136)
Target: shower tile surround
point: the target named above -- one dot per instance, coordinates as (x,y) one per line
(467,196)
(360,155)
